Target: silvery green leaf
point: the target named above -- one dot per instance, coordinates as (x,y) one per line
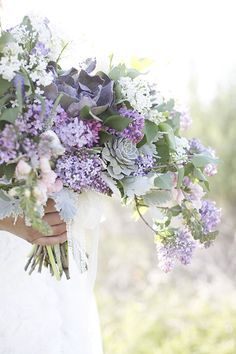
(157,197)
(65,203)
(10,207)
(201,160)
(164,180)
(137,185)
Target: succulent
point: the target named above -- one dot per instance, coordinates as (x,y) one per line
(120,156)
(80,89)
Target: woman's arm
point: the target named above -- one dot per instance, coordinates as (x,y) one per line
(51,216)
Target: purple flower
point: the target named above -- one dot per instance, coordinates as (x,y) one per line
(40,49)
(185,120)
(210,169)
(176,249)
(75,132)
(144,163)
(81,172)
(134,130)
(197,147)
(34,121)
(210,216)
(8,144)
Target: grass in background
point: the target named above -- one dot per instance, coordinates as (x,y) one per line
(193,310)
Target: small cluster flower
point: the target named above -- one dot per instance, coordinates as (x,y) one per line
(210,216)
(137,92)
(176,249)
(81,172)
(134,131)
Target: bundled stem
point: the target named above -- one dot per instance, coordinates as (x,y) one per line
(55,257)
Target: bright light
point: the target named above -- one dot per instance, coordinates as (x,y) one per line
(184,37)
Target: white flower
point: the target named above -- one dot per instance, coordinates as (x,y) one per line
(12,49)
(182,145)
(137,92)
(8,67)
(20,34)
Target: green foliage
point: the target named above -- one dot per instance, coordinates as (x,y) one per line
(9,115)
(117,122)
(4,85)
(150,131)
(165,329)
(5,38)
(164,181)
(168,134)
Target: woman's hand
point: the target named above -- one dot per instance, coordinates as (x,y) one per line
(51,216)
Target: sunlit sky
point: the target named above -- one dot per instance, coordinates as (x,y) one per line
(183,37)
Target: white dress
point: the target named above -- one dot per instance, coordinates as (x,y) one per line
(40,315)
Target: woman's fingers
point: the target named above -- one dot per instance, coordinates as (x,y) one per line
(51,240)
(58,229)
(50,207)
(53,218)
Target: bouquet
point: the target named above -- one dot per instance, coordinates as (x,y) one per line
(63,132)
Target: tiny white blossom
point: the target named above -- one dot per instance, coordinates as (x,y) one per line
(8,67)
(12,49)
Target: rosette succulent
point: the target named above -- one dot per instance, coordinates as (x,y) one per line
(120,156)
(80,89)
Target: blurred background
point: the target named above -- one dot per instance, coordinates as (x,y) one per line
(192,46)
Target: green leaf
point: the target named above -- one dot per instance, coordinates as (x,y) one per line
(180,176)
(5,99)
(150,130)
(9,170)
(188,169)
(4,196)
(201,160)
(176,210)
(207,185)
(157,197)
(19,96)
(164,181)
(169,136)
(166,106)
(117,72)
(5,38)
(9,115)
(199,175)
(85,113)
(142,142)
(133,73)
(163,151)
(4,85)
(117,122)
(104,137)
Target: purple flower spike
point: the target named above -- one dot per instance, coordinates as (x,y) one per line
(177,249)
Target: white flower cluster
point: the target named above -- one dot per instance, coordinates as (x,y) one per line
(19,53)
(182,146)
(138,92)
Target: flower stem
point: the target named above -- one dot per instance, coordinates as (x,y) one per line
(52,262)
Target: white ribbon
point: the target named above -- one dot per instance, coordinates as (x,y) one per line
(86,222)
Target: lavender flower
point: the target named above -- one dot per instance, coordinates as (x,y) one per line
(8,144)
(197,147)
(134,130)
(210,216)
(76,133)
(144,163)
(210,169)
(185,120)
(82,171)
(34,121)
(177,249)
